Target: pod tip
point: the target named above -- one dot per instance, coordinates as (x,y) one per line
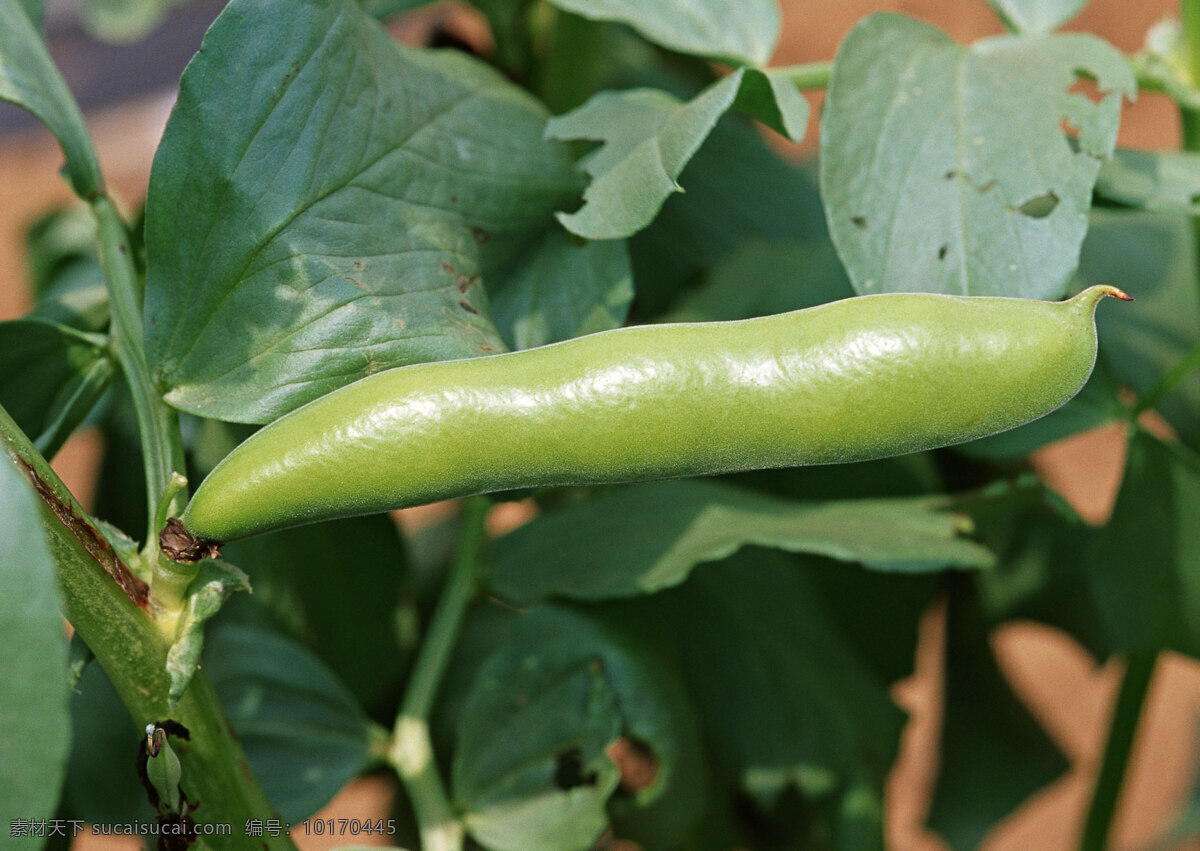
(1116,292)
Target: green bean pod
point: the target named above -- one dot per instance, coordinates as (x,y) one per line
(852,380)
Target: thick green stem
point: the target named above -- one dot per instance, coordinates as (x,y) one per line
(412,748)
(157,422)
(109,608)
(1122,730)
(811,75)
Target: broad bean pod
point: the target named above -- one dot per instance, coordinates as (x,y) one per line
(852,380)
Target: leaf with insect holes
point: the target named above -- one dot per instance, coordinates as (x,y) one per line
(953,169)
(648,138)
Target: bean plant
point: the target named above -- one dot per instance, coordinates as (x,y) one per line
(696,663)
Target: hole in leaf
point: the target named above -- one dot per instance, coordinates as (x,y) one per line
(636,762)
(951,174)
(1039,206)
(1085,84)
(860,222)
(1068,129)
(943,251)
(1195,199)
(568,770)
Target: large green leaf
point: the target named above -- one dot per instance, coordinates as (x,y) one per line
(303,734)
(1153,257)
(102,785)
(35,723)
(785,701)
(638,539)
(1037,16)
(29,79)
(51,376)
(649,135)
(1143,566)
(946,169)
(994,754)
(741,33)
(563,288)
(1038,541)
(568,711)
(326,204)
(337,587)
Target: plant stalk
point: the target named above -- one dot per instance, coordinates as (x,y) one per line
(157,423)
(1122,730)
(109,608)
(412,748)
(811,75)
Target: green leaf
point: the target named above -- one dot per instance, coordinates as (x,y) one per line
(570,708)
(338,588)
(1141,567)
(120,496)
(35,9)
(785,701)
(29,79)
(641,538)
(386,8)
(707,28)
(214,582)
(104,737)
(564,288)
(51,376)
(764,278)
(164,773)
(946,169)
(649,136)
(1152,257)
(1036,17)
(1161,181)
(775,101)
(983,724)
(68,282)
(35,724)
(738,189)
(878,613)
(1037,539)
(79,656)
(76,297)
(326,204)
(303,733)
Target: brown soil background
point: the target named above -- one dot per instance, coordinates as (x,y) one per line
(1067,690)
